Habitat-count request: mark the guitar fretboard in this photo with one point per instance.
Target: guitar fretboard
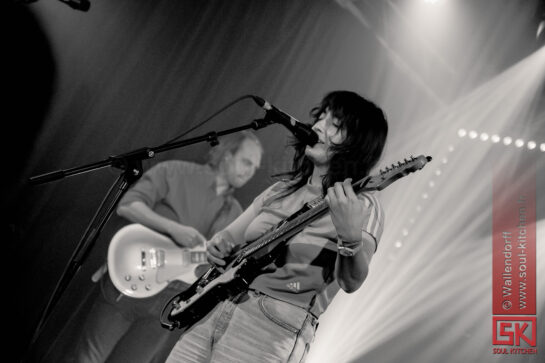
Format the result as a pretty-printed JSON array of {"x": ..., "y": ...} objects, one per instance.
[{"x": 317, "y": 207}]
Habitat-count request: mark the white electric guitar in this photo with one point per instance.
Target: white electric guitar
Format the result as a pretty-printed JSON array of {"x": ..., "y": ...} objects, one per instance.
[{"x": 141, "y": 261}]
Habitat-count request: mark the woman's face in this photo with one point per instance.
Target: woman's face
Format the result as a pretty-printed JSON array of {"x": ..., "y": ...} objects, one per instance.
[{"x": 329, "y": 132}]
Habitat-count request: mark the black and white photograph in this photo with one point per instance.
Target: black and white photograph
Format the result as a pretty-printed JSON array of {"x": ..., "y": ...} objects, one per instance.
[{"x": 258, "y": 181}]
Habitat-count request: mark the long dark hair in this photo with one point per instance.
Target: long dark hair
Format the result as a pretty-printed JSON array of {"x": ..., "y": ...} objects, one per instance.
[{"x": 366, "y": 130}]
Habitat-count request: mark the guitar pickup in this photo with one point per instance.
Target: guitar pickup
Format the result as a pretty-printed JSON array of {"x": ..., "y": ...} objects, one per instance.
[{"x": 156, "y": 258}]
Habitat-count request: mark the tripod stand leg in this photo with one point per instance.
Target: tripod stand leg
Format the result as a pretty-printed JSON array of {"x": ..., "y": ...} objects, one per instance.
[{"x": 85, "y": 244}]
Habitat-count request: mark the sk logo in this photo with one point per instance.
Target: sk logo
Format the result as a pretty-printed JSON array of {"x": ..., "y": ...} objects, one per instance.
[{"x": 509, "y": 330}]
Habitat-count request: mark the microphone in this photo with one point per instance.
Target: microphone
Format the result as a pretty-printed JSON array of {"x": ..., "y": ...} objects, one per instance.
[{"x": 302, "y": 132}]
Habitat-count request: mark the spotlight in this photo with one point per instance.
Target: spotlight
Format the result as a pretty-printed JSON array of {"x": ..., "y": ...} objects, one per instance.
[
  {"x": 405, "y": 232},
  {"x": 398, "y": 244},
  {"x": 507, "y": 140},
  {"x": 438, "y": 172},
  {"x": 431, "y": 183},
  {"x": 451, "y": 148},
  {"x": 444, "y": 161},
  {"x": 484, "y": 136},
  {"x": 424, "y": 195},
  {"x": 519, "y": 143},
  {"x": 495, "y": 139},
  {"x": 462, "y": 132},
  {"x": 472, "y": 134},
  {"x": 531, "y": 145},
  {"x": 542, "y": 147}
]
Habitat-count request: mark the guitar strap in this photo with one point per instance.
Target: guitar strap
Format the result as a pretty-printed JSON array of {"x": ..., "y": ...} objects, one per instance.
[{"x": 311, "y": 306}]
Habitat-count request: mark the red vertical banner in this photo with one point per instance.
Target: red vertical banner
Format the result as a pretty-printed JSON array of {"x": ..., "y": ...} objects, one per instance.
[{"x": 514, "y": 242}]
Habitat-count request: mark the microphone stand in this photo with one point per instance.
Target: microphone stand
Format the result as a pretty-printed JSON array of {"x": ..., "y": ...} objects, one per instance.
[{"x": 131, "y": 164}]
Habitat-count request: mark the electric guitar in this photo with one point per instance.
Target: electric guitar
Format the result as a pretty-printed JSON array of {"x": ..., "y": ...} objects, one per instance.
[
  {"x": 141, "y": 261},
  {"x": 245, "y": 263}
]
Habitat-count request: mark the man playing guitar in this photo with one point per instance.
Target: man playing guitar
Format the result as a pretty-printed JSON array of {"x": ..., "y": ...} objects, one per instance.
[{"x": 188, "y": 203}]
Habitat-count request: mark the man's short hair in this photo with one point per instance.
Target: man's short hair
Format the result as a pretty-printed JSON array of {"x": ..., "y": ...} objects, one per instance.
[{"x": 230, "y": 143}]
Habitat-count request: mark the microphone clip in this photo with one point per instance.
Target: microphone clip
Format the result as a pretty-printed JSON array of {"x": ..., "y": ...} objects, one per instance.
[{"x": 262, "y": 122}]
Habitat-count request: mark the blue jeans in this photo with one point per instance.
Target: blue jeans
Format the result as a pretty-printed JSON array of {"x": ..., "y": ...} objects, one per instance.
[{"x": 251, "y": 327}]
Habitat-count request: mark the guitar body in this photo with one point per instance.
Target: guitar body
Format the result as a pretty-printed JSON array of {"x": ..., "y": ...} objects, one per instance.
[
  {"x": 193, "y": 304},
  {"x": 142, "y": 262}
]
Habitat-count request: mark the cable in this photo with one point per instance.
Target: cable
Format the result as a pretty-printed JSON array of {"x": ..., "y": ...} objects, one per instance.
[{"x": 207, "y": 119}]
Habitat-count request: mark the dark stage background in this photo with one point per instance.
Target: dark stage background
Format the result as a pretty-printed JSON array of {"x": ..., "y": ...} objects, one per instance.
[{"x": 82, "y": 86}]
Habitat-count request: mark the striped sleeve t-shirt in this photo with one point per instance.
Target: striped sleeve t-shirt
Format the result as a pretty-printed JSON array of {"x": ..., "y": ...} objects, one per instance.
[{"x": 304, "y": 272}]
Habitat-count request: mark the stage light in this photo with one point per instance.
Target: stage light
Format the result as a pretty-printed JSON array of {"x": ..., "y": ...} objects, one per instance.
[
  {"x": 373, "y": 326},
  {"x": 540, "y": 28},
  {"x": 424, "y": 195},
  {"x": 431, "y": 183},
  {"x": 431, "y": 1},
  {"x": 507, "y": 140},
  {"x": 451, "y": 148},
  {"x": 444, "y": 161}
]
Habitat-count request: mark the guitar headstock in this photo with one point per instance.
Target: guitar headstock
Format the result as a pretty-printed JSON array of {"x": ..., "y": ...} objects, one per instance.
[{"x": 391, "y": 174}]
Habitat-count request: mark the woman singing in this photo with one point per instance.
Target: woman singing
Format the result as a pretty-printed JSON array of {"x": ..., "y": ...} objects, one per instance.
[{"x": 276, "y": 319}]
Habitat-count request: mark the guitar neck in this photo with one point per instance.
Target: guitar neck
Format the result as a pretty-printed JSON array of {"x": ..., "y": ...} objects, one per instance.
[
  {"x": 287, "y": 229},
  {"x": 318, "y": 207}
]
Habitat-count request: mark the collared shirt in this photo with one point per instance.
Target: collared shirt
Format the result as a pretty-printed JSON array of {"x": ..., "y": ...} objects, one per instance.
[
  {"x": 185, "y": 192},
  {"x": 305, "y": 272}
]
